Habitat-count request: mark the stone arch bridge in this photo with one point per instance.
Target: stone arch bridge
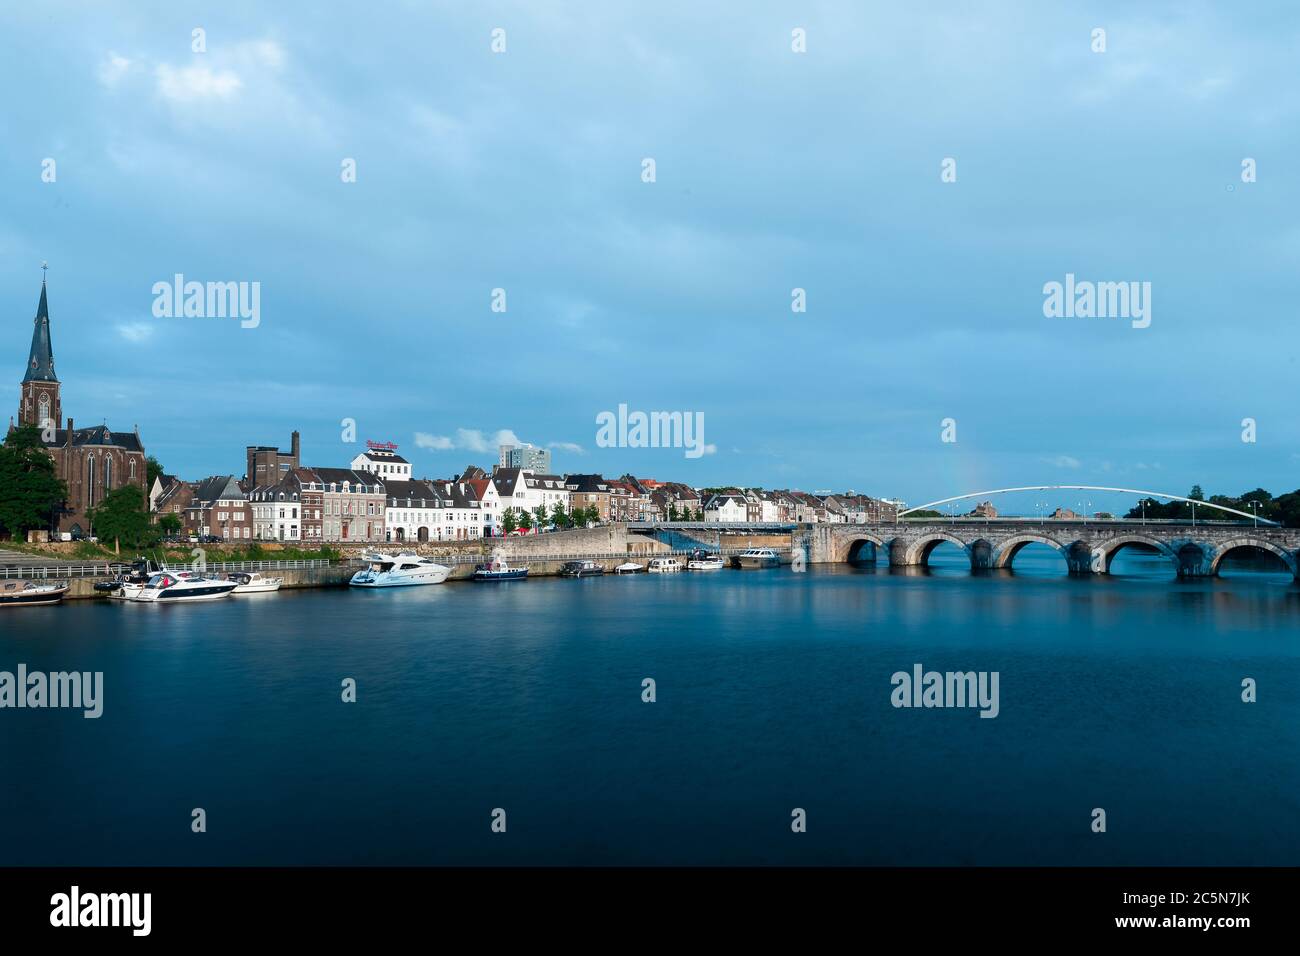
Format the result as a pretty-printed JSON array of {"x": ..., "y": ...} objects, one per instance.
[{"x": 1087, "y": 547}]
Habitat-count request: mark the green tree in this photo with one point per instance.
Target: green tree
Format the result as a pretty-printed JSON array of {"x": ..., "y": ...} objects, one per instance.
[
  {"x": 525, "y": 519},
  {"x": 122, "y": 518},
  {"x": 559, "y": 516},
  {"x": 29, "y": 486},
  {"x": 153, "y": 468},
  {"x": 509, "y": 520},
  {"x": 1196, "y": 494},
  {"x": 170, "y": 523},
  {"x": 539, "y": 517}
]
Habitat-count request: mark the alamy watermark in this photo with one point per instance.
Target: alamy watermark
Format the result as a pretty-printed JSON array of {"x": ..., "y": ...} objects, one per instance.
[
  {"x": 208, "y": 300},
  {"x": 922, "y": 688},
  {"x": 82, "y": 690},
  {"x": 1102, "y": 300},
  {"x": 652, "y": 430}
]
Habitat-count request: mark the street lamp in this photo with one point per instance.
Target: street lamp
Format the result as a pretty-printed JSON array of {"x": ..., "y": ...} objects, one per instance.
[{"x": 1254, "y": 507}]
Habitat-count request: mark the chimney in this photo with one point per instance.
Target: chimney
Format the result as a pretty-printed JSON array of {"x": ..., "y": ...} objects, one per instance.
[
  {"x": 69, "y": 437},
  {"x": 294, "y": 448}
]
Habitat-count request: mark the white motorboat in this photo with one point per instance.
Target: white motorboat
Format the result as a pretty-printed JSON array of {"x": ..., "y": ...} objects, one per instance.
[
  {"x": 399, "y": 570},
  {"x": 665, "y": 565},
  {"x": 702, "y": 560},
  {"x": 629, "y": 567},
  {"x": 177, "y": 587},
  {"x": 755, "y": 558},
  {"x": 253, "y": 582},
  {"x": 23, "y": 593}
]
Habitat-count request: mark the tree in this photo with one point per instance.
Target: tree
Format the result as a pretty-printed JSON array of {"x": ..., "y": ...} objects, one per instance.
[
  {"x": 525, "y": 519},
  {"x": 509, "y": 520},
  {"x": 559, "y": 517},
  {"x": 122, "y": 517},
  {"x": 153, "y": 469},
  {"x": 29, "y": 485},
  {"x": 170, "y": 524},
  {"x": 1196, "y": 494},
  {"x": 539, "y": 516}
]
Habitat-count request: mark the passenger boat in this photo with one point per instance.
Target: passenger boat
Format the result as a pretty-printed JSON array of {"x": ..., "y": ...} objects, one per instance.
[
  {"x": 20, "y": 592},
  {"x": 665, "y": 565},
  {"x": 629, "y": 567},
  {"x": 702, "y": 560},
  {"x": 581, "y": 569},
  {"x": 498, "y": 570},
  {"x": 252, "y": 582},
  {"x": 182, "y": 587},
  {"x": 755, "y": 558},
  {"x": 401, "y": 570}
]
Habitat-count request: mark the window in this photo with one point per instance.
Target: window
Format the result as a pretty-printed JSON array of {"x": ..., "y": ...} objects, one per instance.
[
  {"x": 45, "y": 409},
  {"x": 108, "y": 473},
  {"x": 90, "y": 480}
]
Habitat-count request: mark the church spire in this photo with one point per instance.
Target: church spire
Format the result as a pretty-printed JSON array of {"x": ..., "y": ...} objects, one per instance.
[{"x": 40, "y": 364}]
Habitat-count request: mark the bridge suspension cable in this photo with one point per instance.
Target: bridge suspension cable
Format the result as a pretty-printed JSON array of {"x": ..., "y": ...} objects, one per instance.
[{"x": 1130, "y": 491}]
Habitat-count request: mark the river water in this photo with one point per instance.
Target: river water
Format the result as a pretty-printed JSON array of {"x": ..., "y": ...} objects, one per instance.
[{"x": 773, "y": 692}]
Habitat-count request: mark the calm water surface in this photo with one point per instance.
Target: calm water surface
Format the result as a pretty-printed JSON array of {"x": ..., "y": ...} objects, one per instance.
[{"x": 773, "y": 693}]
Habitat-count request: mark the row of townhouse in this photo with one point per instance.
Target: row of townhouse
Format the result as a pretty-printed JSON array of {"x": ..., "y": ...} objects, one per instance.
[
  {"x": 739, "y": 505},
  {"x": 375, "y": 500}
]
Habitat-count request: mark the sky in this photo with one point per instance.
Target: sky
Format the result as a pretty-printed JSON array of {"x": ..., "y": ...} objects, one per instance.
[{"x": 774, "y": 170}]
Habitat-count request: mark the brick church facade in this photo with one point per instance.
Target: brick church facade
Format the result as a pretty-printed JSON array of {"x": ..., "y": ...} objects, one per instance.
[{"x": 93, "y": 461}]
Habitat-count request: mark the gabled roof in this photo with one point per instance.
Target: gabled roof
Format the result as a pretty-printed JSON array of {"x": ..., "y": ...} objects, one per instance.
[
  {"x": 98, "y": 435},
  {"x": 218, "y": 488}
]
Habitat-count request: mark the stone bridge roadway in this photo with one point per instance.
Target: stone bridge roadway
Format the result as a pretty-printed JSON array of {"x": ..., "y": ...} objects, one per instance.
[{"x": 1087, "y": 547}]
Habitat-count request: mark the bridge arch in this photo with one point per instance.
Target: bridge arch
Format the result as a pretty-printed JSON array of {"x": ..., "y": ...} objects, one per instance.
[
  {"x": 918, "y": 552},
  {"x": 855, "y": 546},
  {"x": 1128, "y": 491},
  {"x": 1008, "y": 549},
  {"x": 1104, "y": 553},
  {"x": 1247, "y": 541}
]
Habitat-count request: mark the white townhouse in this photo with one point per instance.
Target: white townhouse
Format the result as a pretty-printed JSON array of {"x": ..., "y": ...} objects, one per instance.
[
  {"x": 522, "y": 490},
  {"x": 726, "y": 508},
  {"x": 425, "y": 510},
  {"x": 387, "y": 464}
]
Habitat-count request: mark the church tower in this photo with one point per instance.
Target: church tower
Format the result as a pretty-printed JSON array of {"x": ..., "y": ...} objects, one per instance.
[{"x": 40, "y": 401}]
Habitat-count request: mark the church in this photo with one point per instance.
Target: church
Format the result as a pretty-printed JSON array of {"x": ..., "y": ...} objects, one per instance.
[{"x": 93, "y": 461}]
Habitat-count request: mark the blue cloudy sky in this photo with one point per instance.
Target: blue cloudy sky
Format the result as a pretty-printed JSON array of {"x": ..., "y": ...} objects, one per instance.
[{"x": 775, "y": 170}]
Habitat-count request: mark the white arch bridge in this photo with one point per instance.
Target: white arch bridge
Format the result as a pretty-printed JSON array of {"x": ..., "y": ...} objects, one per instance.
[{"x": 1195, "y": 549}]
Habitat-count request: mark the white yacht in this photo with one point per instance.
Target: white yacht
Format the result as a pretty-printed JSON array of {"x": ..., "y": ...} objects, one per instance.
[
  {"x": 399, "y": 570},
  {"x": 704, "y": 561},
  {"x": 176, "y": 587},
  {"x": 629, "y": 567},
  {"x": 665, "y": 565},
  {"x": 253, "y": 582},
  {"x": 755, "y": 558}
]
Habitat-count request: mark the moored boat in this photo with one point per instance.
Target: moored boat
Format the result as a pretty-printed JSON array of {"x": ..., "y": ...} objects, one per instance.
[
  {"x": 183, "y": 587},
  {"x": 253, "y": 582},
  {"x": 755, "y": 558},
  {"x": 581, "y": 569},
  {"x": 702, "y": 560},
  {"x": 400, "y": 570},
  {"x": 20, "y": 592},
  {"x": 629, "y": 567},
  {"x": 665, "y": 565},
  {"x": 498, "y": 570}
]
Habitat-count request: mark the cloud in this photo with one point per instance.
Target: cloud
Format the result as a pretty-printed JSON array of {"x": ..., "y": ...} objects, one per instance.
[
  {"x": 195, "y": 83},
  {"x": 113, "y": 69},
  {"x": 202, "y": 81},
  {"x": 1062, "y": 461},
  {"x": 433, "y": 442},
  {"x": 467, "y": 439},
  {"x": 567, "y": 446},
  {"x": 135, "y": 331},
  {"x": 710, "y": 449}
]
